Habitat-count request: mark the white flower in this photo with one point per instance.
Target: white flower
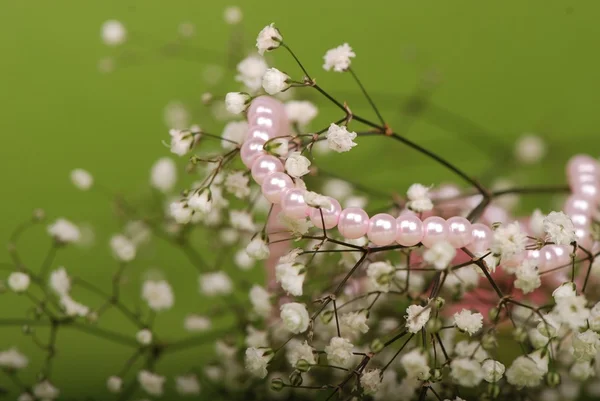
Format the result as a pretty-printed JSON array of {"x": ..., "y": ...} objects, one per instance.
[
  {"x": 181, "y": 141},
  {"x": 586, "y": 345},
  {"x": 45, "y": 390},
  {"x": 236, "y": 183},
  {"x": 82, "y": 179},
  {"x": 277, "y": 147},
  {"x": 297, "y": 350},
  {"x": 113, "y": 33},
  {"x": 492, "y": 370},
  {"x": 256, "y": 338},
  {"x": 548, "y": 326},
  {"x": 536, "y": 223},
  {"x": 196, "y": 323},
  {"x": 114, "y": 384},
  {"x": 572, "y": 311},
  {"x": 122, "y": 247},
  {"x": 297, "y": 165},
  {"x": 466, "y": 372},
  {"x": 62, "y": 230},
  {"x": 530, "y": 149},
  {"x": 468, "y": 321},
  {"x": 339, "y": 352},
  {"x": 380, "y": 275},
  {"x": 274, "y": 81},
  {"x": 338, "y": 58},
  {"x": 291, "y": 277},
  {"x": 144, "y": 336},
  {"x": 176, "y": 115},
  {"x": 13, "y": 359},
  {"x": 181, "y": 212},
  {"x": 416, "y": 317},
  {"x": 268, "y": 39},
  {"x": 163, "y": 174},
  {"x": 419, "y": 198},
  {"x": 582, "y": 371},
  {"x": 158, "y": 295},
  {"x": 18, "y": 282},
  {"x": 251, "y": 70},
  {"x": 224, "y": 350},
  {"x": 151, "y": 383},
  {"x": 565, "y": 290},
  {"x": 301, "y": 112},
  {"x": 527, "y": 371},
  {"x": 187, "y": 385},
  {"x": 339, "y": 139},
  {"x": 241, "y": 220},
  {"x": 440, "y": 255},
  {"x": 232, "y": 15},
  {"x": 243, "y": 260},
  {"x": 528, "y": 277},
  {"x": 73, "y": 308},
  {"x": 25, "y": 397},
  {"x": 258, "y": 249},
  {"x": 260, "y": 300},
  {"x": 370, "y": 381},
  {"x": 297, "y": 227},
  {"x": 212, "y": 284},
  {"x": 559, "y": 228},
  {"x": 295, "y": 317},
  {"x": 256, "y": 362},
  {"x": 236, "y": 102},
  {"x": 415, "y": 364},
  {"x": 354, "y": 322},
  {"x": 201, "y": 201},
  {"x": 594, "y": 319},
  {"x": 509, "y": 240},
  {"x": 234, "y": 131},
  {"x": 316, "y": 200}
]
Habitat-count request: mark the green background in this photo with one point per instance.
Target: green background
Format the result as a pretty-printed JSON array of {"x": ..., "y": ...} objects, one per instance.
[{"x": 509, "y": 67}]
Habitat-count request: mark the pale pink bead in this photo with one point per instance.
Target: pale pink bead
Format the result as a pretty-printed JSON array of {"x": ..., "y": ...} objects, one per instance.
[
  {"x": 576, "y": 204},
  {"x": 586, "y": 188},
  {"x": 265, "y": 165},
  {"x": 269, "y": 113},
  {"x": 583, "y": 237},
  {"x": 265, "y": 105},
  {"x": 435, "y": 229},
  {"x": 495, "y": 214},
  {"x": 382, "y": 229},
  {"x": 331, "y": 215},
  {"x": 293, "y": 203},
  {"x": 274, "y": 185},
  {"x": 562, "y": 254},
  {"x": 353, "y": 223},
  {"x": 580, "y": 220},
  {"x": 250, "y": 151},
  {"x": 547, "y": 258},
  {"x": 582, "y": 164},
  {"x": 260, "y": 133},
  {"x": 409, "y": 229},
  {"x": 481, "y": 238},
  {"x": 534, "y": 255},
  {"x": 459, "y": 231}
]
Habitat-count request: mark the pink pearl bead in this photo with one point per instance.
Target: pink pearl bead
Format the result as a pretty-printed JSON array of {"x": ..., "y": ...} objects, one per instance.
[
  {"x": 546, "y": 259},
  {"x": 409, "y": 229},
  {"x": 582, "y": 164},
  {"x": 382, "y": 229},
  {"x": 293, "y": 203},
  {"x": 481, "y": 238},
  {"x": 265, "y": 105},
  {"x": 269, "y": 113},
  {"x": 353, "y": 223},
  {"x": 583, "y": 237},
  {"x": 576, "y": 204},
  {"x": 580, "y": 220},
  {"x": 435, "y": 229},
  {"x": 534, "y": 255},
  {"x": 265, "y": 165},
  {"x": 495, "y": 214},
  {"x": 260, "y": 133},
  {"x": 459, "y": 231},
  {"x": 589, "y": 190},
  {"x": 274, "y": 185},
  {"x": 562, "y": 254},
  {"x": 331, "y": 215},
  {"x": 250, "y": 151}
]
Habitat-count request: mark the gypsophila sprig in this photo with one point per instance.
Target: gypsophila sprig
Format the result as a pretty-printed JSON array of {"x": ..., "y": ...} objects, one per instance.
[
  {"x": 340, "y": 139},
  {"x": 338, "y": 58},
  {"x": 269, "y": 38}
]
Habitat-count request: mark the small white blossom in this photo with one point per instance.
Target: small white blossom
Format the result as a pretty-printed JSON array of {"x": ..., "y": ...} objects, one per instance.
[
  {"x": 197, "y": 323},
  {"x": 268, "y": 39},
  {"x": 440, "y": 255},
  {"x": 256, "y": 338},
  {"x": 296, "y": 227},
  {"x": 297, "y": 165},
  {"x": 113, "y": 33},
  {"x": 301, "y": 112},
  {"x": 181, "y": 141},
  {"x": 419, "y": 198},
  {"x": 338, "y": 58},
  {"x": 243, "y": 260},
  {"x": 295, "y": 317},
  {"x": 559, "y": 228},
  {"x": 236, "y": 102},
  {"x": 241, "y": 220},
  {"x": 232, "y": 15},
  {"x": 122, "y": 248},
  {"x": 25, "y": 397},
  {"x": 144, "y": 337},
  {"x": 45, "y": 390},
  {"x": 163, "y": 174},
  {"x": 548, "y": 326},
  {"x": 13, "y": 359},
  {"x": 582, "y": 371},
  {"x": 18, "y": 282},
  {"x": 236, "y": 183},
  {"x": 468, "y": 321},
  {"x": 277, "y": 147},
  {"x": 492, "y": 370},
  {"x": 258, "y": 249},
  {"x": 201, "y": 201},
  {"x": 261, "y": 301},
  {"x": 354, "y": 322},
  {"x": 250, "y": 73},
  {"x": 63, "y": 231},
  {"x": 256, "y": 362},
  {"x": 316, "y": 200},
  {"x": 565, "y": 290},
  {"x": 114, "y": 384},
  {"x": 536, "y": 223},
  {"x": 291, "y": 277},
  {"x": 416, "y": 317},
  {"x": 594, "y": 319},
  {"x": 527, "y": 371},
  {"x": 151, "y": 383},
  {"x": 471, "y": 349},
  {"x": 509, "y": 240},
  {"x": 274, "y": 81},
  {"x": 339, "y": 139},
  {"x": 233, "y": 132},
  {"x": 339, "y": 352},
  {"x": 530, "y": 149},
  {"x": 213, "y": 284},
  {"x": 224, "y": 350},
  {"x": 466, "y": 372},
  {"x": 370, "y": 381},
  {"x": 572, "y": 311},
  {"x": 586, "y": 345},
  {"x": 180, "y": 212},
  {"x": 297, "y": 350},
  {"x": 60, "y": 281},
  {"x": 158, "y": 295},
  {"x": 82, "y": 179},
  {"x": 528, "y": 277},
  {"x": 380, "y": 275},
  {"x": 187, "y": 385},
  {"x": 72, "y": 307},
  {"x": 415, "y": 364},
  {"x": 176, "y": 115}
]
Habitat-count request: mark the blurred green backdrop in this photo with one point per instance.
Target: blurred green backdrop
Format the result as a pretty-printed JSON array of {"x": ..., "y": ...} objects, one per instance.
[{"x": 510, "y": 67}]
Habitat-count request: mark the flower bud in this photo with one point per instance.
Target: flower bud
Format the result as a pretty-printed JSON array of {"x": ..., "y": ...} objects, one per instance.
[
  {"x": 434, "y": 325},
  {"x": 553, "y": 379},
  {"x": 489, "y": 341},
  {"x": 519, "y": 334},
  {"x": 327, "y": 316},
  {"x": 493, "y": 314},
  {"x": 493, "y": 390},
  {"x": 376, "y": 346},
  {"x": 436, "y": 375},
  {"x": 277, "y": 384},
  {"x": 302, "y": 365},
  {"x": 439, "y": 302},
  {"x": 296, "y": 378}
]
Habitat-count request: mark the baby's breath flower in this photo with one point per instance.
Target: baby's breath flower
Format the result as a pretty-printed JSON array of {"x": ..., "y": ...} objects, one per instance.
[
  {"x": 354, "y": 322},
  {"x": 181, "y": 212},
  {"x": 468, "y": 321},
  {"x": 339, "y": 139},
  {"x": 213, "y": 284},
  {"x": 301, "y": 112},
  {"x": 416, "y": 317},
  {"x": 291, "y": 277},
  {"x": 338, "y": 58},
  {"x": 274, "y": 81},
  {"x": 181, "y": 141},
  {"x": 339, "y": 352},
  {"x": 295, "y": 317},
  {"x": 234, "y": 132},
  {"x": 415, "y": 364},
  {"x": 269, "y": 38},
  {"x": 530, "y": 149},
  {"x": 187, "y": 384},
  {"x": 466, "y": 372},
  {"x": 256, "y": 361},
  {"x": 236, "y": 102},
  {"x": 316, "y": 200},
  {"x": 297, "y": 165},
  {"x": 527, "y": 370},
  {"x": 236, "y": 183},
  {"x": 586, "y": 345},
  {"x": 82, "y": 179},
  {"x": 419, "y": 198},
  {"x": 18, "y": 282},
  {"x": 151, "y": 383},
  {"x": 45, "y": 390},
  {"x": 258, "y": 249},
  {"x": 370, "y": 381},
  {"x": 492, "y": 370},
  {"x": 380, "y": 275},
  {"x": 114, "y": 384},
  {"x": 163, "y": 174},
  {"x": 440, "y": 255},
  {"x": 297, "y": 350},
  {"x": 528, "y": 277},
  {"x": 13, "y": 359},
  {"x": 509, "y": 240},
  {"x": 250, "y": 73},
  {"x": 232, "y": 15},
  {"x": 144, "y": 337},
  {"x": 158, "y": 295},
  {"x": 63, "y": 231},
  {"x": 197, "y": 323},
  {"x": 559, "y": 228},
  {"x": 260, "y": 300},
  {"x": 122, "y": 247},
  {"x": 113, "y": 33}
]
